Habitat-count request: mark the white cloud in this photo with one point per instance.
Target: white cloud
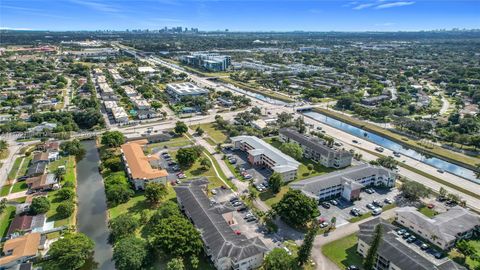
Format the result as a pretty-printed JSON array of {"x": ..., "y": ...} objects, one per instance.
[
  {"x": 395, "y": 4},
  {"x": 96, "y": 6},
  {"x": 14, "y": 28},
  {"x": 362, "y": 6}
]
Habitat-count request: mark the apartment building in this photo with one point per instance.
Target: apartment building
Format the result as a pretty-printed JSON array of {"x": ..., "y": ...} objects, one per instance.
[
  {"x": 262, "y": 153},
  {"x": 138, "y": 167},
  {"x": 227, "y": 249},
  {"x": 317, "y": 149},
  {"x": 394, "y": 253},
  {"x": 179, "y": 90},
  {"x": 346, "y": 183},
  {"x": 443, "y": 230},
  {"x": 208, "y": 61}
]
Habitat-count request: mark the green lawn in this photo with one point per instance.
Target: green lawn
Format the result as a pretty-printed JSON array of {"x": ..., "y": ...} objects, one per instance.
[
  {"x": 16, "y": 165},
  {"x": 69, "y": 163},
  {"x": 4, "y": 190},
  {"x": 136, "y": 204},
  {"x": 25, "y": 164},
  {"x": 458, "y": 257},
  {"x": 19, "y": 186},
  {"x": 216, "y": 135},
  {"x": 270, "y": 199},
  {"x": 343, "y": 252},
  {"x": 5, "y": 219},
  {"x": 427, "y": 211},
  {"x": 175, "y": 142},
  {"x": 220, "y": 171}
]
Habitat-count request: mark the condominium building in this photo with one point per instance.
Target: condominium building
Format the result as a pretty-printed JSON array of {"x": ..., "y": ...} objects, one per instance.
[
  {"x": 443, "y": 230},
  {"x": 129, "y": 91},
  {"x": 208, "y": 61},
  {"x": 263, "y": 154},
  {"x": 317, "y": 149},
  {"x": 226, "y": 248},
  {"x": 346, "y": 183},
  {"x": 120, "y": 115},
  {"x": 140, "y": 103},
  {"x": 179, "y": 90},
  {"x": 394, "y": 253},
  {"x": 138, "y": 167}
]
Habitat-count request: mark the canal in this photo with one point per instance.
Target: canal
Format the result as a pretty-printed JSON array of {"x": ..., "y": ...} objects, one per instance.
[
  {"x": 92, "y": 206},
  {"x": 394, "y": 146}
]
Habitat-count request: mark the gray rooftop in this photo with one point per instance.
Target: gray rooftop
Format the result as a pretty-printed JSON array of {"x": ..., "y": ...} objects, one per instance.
[
  {"x": 186, "y": 88},
  {"x": 399, "y": 252},
  {"x": 217, "y": 235},
  {"x": 315, "y": 144}
]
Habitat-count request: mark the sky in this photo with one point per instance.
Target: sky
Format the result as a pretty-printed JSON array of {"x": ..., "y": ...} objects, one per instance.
[{"x": 240, "y": 15}]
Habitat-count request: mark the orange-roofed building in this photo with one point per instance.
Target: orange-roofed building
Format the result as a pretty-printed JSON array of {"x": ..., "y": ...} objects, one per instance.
[
  {"x": 19, "y": 250},
  {"x": 138, "y": 167}
]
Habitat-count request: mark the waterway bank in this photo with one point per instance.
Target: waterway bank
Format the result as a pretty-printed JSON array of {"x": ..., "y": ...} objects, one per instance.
[
  {"x": 92, "y": 206},
  {"x": 385, "y": 141}
]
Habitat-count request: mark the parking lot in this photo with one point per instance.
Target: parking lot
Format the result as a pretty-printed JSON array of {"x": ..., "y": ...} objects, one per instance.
[
  {"x": 259, "y": 174},
  {"x": 341, "y": 211}
]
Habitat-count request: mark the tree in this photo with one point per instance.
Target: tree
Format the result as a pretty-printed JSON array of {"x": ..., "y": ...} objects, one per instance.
[
  {"x": 194, "y": 261},
  {"x": 205, "y": 162},
  {"x": 256, "y": 110},
  {"x": 306, "y": 247},
  {"x": 414, "y": 190},
  {"x": 369, "y": 262},
  {"x": 175, "y": 264},
  {"x": 275, "y": 182},
  {"x": 292, "y": 149},
  {"x": 278, "y": 259},
  {"x": 187, "y": 156},
  {"x": 40, "y": 205},
  {"x": 310, "y": 167},
  {"x": 118, "y": 193},
  {"x": 71, "y": 251},
  {"x": 155, "y": 192},
  {"x": 180, "y": 128},
  {"x": 3, "y": 205},
  {"x": 113, "y": 138},
  {"x": 65, "y": 194},
  {"x": 199, "y": 131},
  {"x": 466, "y": 248},
  {"x": 59, "y": 173},
  {"x": 65, "y": 209},
  {"x": 73, "y": 148},
  {"x": 296, "y": 208},
  {"x": 442, "y": 192},
  {"x": 122, "y": 226},
  {"x": 130, "y": 253},
  {"x": 175, "y": 236},
  {"x": 387, "y": 162}
]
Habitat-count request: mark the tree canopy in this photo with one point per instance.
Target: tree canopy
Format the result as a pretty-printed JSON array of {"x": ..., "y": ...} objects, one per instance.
[
  {"x": 71, "y": 251},
  {"x": 113, "y": 138},
  {"x": 296, "y": 208}
]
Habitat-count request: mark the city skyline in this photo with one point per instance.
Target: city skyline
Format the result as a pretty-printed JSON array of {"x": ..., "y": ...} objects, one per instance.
[{"x": 266, "y": 15}]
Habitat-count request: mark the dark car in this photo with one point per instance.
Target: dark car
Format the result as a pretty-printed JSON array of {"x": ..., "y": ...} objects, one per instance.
[
  {"x": 406, "y": 235},
  {"x": 411, "y": 239},
  {"x": 326, "y": 205}
]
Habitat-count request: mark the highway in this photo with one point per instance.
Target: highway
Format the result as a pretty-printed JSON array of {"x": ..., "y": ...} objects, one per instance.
[{"x": 346, "y": 139}]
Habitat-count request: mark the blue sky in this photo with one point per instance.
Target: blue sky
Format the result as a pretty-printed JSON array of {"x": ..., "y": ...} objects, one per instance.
[{"x": 240, "y": 15}]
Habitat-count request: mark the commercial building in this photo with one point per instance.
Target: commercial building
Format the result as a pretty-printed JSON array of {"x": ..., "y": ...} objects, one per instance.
[
  {"x": 138, "y": 167},
  {"x": 346, "y": 183},
  {"x": 179, "y": 90},
  {"x": 19, "y": 250},
  {"x": 146, "y": 69},
  {"x": 208, "y": 61},
  {"x": 317, "y": 149},
  {"x": 227, "y": 249},
  {"x": 394, "y": 253},
  {"x": 263, "y": 154},
  {"x": 443, "y": 230}
]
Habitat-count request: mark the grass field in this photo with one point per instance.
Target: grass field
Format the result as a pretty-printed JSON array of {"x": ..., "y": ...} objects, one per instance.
[
  {"x": 19, "y": 186},
  {"x": 5, "y": 219},
  {"x": 460, "y": 258},
  {"x": 433, "y": 150},
  {"x": 343, "y": 252},
  {"x": 23, "y": 170},
  {"x": 216, "y": 135},
  {"x": 4, "y": 190},
  {"x": 427, "y": 211},
  {"x": 270, "y": 199},
  {"x": 16, "y": 165},
  {"x": 175, "y": 142}
]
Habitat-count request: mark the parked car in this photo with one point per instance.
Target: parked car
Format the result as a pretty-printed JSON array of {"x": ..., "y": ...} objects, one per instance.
[
  {"x": 401, "y": 231},
  {"x": 376, "y": 211},
  {"x": 440, "y": 171},
  {"x": 248, "y": 176},
  {"x": 379, "y": 149},
  {"x": 326, "y": 205},
  {"x": 370, "y": 206},
  {"x": 388, "y": 201},
  {"x": 406, "y": 235},
  {"x": 234, "y": 199},
  {"x": 324, "y": 224},
  {"x": 377, "y": 203},
  {"x": 213, "y": 191},
  {"x": 370, "y": 190},
  {"x": 333, "y": 202},
  {"x": 242, "y": 209},
  {"x": 411, "y": 239},
  {"x": 175, "y": 168},
  {"x": 423, "y": 246},
  {"x": 354, "y": 141}
]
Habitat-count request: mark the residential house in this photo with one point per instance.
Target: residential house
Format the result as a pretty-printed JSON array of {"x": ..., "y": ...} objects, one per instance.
[
  {"x": 42, "y": 183},
  {"x": 19, "y": 250}
]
